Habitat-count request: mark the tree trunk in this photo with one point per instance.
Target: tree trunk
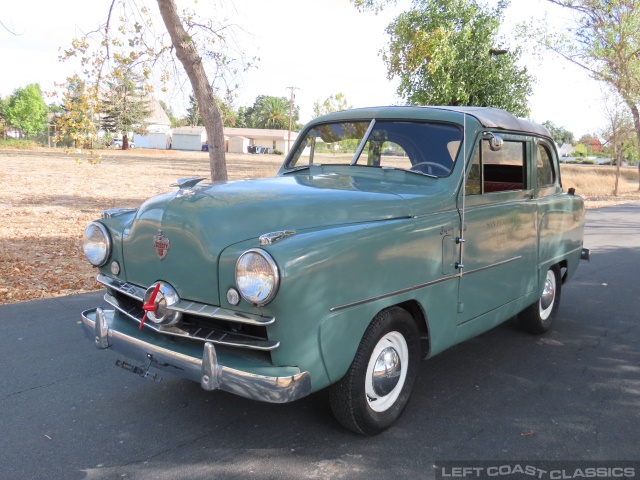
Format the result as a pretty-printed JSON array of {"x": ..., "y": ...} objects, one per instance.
[
  {"x": 618, "y": 163},
  {"x": 125, "y": 142},
  {"x": 636, "y": 125},
  {"x": 188, "y": 55}
]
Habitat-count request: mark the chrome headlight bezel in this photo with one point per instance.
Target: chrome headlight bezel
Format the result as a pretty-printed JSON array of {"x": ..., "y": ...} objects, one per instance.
[
  {"x": 247, "y": 285},
  {"x": 97, "y": 252}
]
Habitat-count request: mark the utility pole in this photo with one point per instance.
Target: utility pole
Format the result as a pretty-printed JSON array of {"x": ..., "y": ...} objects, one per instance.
[{"x": 290, "y": 116}]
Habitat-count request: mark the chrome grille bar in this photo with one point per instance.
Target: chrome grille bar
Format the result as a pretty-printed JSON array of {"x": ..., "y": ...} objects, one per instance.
[
  {"x": 194, "y": 332},
  {"x": 186, "y": 306}
]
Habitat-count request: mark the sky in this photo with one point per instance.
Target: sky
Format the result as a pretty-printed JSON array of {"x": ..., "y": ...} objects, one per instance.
[{"x": 320, "y": 48}]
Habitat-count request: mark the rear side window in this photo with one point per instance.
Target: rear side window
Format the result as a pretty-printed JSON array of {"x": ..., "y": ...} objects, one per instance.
[
  {"x": 499, "y": 171},
  {"x": 544, "y": 167}
]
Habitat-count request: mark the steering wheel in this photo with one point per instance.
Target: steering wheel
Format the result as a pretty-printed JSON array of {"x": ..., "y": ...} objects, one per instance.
[{"x": 444, "y": 170}]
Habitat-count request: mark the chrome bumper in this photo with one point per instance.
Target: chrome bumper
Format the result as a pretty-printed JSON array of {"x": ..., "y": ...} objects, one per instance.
[{"x": 193, "y": 363}]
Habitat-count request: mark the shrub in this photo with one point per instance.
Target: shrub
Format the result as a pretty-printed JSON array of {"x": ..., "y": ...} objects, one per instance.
[
  {"x": 277, "y": 152},
  {"x": 18, "y": 144},
  {"x": 588, "y": 161}
]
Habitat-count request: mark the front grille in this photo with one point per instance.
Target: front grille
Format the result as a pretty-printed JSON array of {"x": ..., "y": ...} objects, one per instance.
[{"x": 205, "y": 323}]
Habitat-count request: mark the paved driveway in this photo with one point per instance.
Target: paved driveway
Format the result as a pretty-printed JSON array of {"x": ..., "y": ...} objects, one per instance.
[{"x": 574, "y": 394}]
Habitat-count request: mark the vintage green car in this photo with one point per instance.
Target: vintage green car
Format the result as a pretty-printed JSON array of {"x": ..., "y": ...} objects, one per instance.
[{"x": 388, "y": 235}]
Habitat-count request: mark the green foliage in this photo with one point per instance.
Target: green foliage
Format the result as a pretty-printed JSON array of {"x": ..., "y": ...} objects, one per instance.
[
  {"x": 333, "y": 103},
  {"x": 193, "y": 117},
  {"x": 76, "y": 120},
  {"x": 268, "y": 112},
  {"x": 603, "y": 37},
  {"x": 125, "y": 106},
  {"x": 26, "y": 111},
  {"x": 560, "y": 135},
  {"x": 374, "y": 6},
  {"x": 175, "y": 122},
  {"x": 447, "y": 52},
  {"x": 580, "y": 150}
]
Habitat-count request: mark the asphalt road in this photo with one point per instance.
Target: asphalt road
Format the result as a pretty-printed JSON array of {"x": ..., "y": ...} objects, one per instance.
[{"x": 574, "y": 394}]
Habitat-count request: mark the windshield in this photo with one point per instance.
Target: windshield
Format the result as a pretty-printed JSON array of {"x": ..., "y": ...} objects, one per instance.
[{"x": 421, "y": 147}]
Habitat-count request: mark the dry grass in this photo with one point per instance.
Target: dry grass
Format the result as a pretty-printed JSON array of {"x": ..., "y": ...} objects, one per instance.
[
  {"x": 47, "y": 199},
  {"x": 596, "y": 184}
]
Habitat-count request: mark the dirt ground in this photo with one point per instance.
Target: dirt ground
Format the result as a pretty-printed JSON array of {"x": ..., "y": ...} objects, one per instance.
[{"x": 47, "y": 198}]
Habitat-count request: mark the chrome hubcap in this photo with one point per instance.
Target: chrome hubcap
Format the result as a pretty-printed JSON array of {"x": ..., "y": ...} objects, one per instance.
[
  {"x": 386, "y": 371},
  {"x": 548, "y": 295}
]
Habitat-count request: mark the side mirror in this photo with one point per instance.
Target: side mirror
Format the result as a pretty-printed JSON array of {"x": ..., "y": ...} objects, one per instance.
[{"x": 495, "y": 142}]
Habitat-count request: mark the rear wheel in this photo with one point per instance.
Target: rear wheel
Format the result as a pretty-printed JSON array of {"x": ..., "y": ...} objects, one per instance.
[
  {"x": 539, "y": 317},
  {"x": 376, "y": 388}
]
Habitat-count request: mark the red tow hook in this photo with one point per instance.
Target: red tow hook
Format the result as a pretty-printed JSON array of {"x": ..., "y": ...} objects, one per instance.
[{"x": 150, "y": 306}]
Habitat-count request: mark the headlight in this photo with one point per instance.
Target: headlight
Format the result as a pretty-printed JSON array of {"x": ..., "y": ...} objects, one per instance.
[
  {"x": 257, "y": 277},
  {"x": 97, "y": 244}
]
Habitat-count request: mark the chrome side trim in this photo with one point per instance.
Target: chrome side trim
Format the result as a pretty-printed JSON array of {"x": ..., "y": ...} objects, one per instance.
[
  {"x": 197, "y": 366},
  {"x": 422, "y": 285},
  {"x": 203, "y": 334},
  {"x": 186, "y": 306},
  {"x": 504, "y": 262},
  {"x": 391, "y": 294}
]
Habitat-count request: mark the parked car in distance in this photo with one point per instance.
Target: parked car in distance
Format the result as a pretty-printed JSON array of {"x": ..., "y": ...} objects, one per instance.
[
  {"x": 388, "y": 235},
  {"x": 117, "y": 143}
]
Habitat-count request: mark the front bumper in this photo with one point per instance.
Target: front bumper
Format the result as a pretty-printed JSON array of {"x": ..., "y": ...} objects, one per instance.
[{"x": 193, "y": 362}]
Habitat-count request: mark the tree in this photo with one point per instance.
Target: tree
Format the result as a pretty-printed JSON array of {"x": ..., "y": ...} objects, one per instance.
[
  {"x": 560, "y": 135},
  {"x": 603, "y": 37},
  {"x": 129, "y": 38},
  {"x": 26, "y": 111},
  {"x": 447, "y": 52},
  {"x": 268, "y": 112},
  {"x": 175, "y": 122},
  {"x": 125, "y": 106},
  {"x": 334, "y": 103},
  {"x": 618, "y": 133},
  {"x": 194, "y": 117},
  {"x": 76, "y": 120}
]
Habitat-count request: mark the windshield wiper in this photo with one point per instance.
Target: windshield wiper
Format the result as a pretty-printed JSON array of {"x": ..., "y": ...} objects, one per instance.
[
  {"x": 430, "y": 175},
  {"x": 297, "y": 169}
]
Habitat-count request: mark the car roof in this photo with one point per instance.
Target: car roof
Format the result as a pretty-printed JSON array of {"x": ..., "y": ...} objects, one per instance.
[{"x": 488, "y": 117}]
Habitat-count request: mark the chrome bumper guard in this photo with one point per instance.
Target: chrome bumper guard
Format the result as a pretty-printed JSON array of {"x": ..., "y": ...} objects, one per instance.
[{"x": 198, "y": 365}]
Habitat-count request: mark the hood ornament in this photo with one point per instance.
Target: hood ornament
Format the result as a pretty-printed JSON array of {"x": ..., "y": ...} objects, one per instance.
[
  {"x": 186, "y": 186},
  {"x": 273, "y": 237},
  {"x": 161, "y": 244}
]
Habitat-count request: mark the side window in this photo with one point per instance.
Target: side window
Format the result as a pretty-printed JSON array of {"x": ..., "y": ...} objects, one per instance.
[
  {"x": 498, "y": 171},
  {"x": 544, "y": 164},
  {"x": 473, "y": 185}
]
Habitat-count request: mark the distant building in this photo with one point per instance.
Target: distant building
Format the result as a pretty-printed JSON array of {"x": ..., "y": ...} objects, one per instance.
[
  {"x": 158, "y": 129},
  {"x": 188, "y": 138},
  {"x": 257, "y": 140},
  {"x": 565, "y": 150}
]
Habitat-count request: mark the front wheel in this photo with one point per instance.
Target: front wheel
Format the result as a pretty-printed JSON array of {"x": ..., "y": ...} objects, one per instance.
[
  {"x": 539, "y": 317},
  {"x": 376, "y": 388}
]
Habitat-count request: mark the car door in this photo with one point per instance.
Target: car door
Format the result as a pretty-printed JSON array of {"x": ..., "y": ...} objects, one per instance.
[{"x": 499, "y": 251}]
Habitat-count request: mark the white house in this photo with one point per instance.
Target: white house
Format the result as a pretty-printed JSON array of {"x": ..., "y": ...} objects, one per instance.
[
  {"x": 158, "y": 129},
  {"x": 188, "y": 138},
  {"x": 245, "y": 140}
]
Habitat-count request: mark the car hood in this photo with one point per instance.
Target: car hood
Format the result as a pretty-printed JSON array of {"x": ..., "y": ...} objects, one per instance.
[{"x": 198, "y": 223}]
